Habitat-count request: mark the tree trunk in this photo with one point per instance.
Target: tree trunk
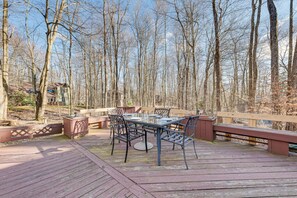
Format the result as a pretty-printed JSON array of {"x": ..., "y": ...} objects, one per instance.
[
  {"x": 70, "y": 83},
  {"x": 105, "y": 54},
  {"x": 290, "y": 55},
  {"x": 42, "y": 93},
  {"x": 217, "y": 58},
  {"x": 164, "y": 76},
  {"x": 293, "y": 127},
  {"x": 52, "y": 28},
  {"x": 4, "y": 64},
  {"x": 86, "y": 80},
  {"x": 274, "y": 58},
  {"x": 205, "y": 84},
  {"x": 290, "y": 78},
  {"x": 255, "y": 65},
  {"x": 251, "y": 96}
]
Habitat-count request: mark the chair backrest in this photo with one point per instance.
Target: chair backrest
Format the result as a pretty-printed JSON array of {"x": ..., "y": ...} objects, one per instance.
[
  {"x": 120, "y": 111},
  {"x": 191, "y": 125},
  {"x": 164, "y": 112},
  {"x": 118, "y": 122},
  {"x": 147, "y": 109},
  {"x": 117, "y": 111},
  {"x": 113, "y": 118}
]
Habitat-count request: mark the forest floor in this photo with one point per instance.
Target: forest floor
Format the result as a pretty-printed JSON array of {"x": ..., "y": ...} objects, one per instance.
[{"x": 26, "y": 114}]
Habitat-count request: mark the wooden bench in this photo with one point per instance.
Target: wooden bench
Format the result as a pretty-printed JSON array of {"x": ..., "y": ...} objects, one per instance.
[
  {"x": 97, "y": 116},
  {"x": 278, "y": 140}
]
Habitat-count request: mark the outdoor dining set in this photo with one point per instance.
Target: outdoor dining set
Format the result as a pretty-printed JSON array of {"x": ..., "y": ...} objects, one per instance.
[{"x": 126, "y": 127}]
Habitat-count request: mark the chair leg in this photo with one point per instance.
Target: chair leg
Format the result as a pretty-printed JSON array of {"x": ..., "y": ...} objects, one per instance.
[
  {"x": 173, "y": 146},
  {"x": 185, "y": 158},
  {"x": 112, "y": 141},
  {"x": 127, "y": 143},
  {"x": 145, "y": 139},
  {"x": 110, "y": 135},
  {"x": 195, "y": 149}
]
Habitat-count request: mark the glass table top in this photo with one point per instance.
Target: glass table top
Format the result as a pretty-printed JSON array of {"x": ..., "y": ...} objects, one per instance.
[{"x": 151, "y": 119}]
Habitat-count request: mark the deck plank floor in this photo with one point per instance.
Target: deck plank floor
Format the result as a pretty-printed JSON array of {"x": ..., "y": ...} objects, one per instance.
[
  {"x": 224, "y": 169},
  {"x": 57, "y": 167}
]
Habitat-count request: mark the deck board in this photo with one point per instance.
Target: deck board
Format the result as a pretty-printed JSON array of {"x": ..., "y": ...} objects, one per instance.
[
  {"x": 224, "y": 169},
  {"x": 58, "y": 167},
  {"x": 50, "y": 168}
]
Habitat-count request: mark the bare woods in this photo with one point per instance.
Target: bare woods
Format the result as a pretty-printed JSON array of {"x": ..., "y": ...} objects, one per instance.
[{"x": 213, "y": 55}]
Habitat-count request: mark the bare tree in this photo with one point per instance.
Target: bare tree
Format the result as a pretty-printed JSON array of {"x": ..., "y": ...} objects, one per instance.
[
  {"x": 217, "y": 56},
  {"x": 290, "y": 76},
  {"x": 116, "y": 16},
  {"x": 52, "y": 27},
  {"x": 105, "y": 53},
  {"x": 70, "y": 23},
  {"x": 208, "y": 63},
  {"x": 293, "y": 96},
  {"x": 31, "y": 49},
  {"x": 4, "y": 64},
  {"x": 253, "y": 67},
  {"x": 274, "y": 57},
  {"x": 190, "y": 33}
]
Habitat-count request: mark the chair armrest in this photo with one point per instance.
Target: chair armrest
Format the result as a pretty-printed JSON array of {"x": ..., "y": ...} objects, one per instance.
[
  {"x": 173, "y": 131},
  {"x": 177, "y": 125}
]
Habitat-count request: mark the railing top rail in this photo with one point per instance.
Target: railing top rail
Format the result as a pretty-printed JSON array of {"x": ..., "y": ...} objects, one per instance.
[
  {"x": 181, "y": 112},
  {"x": 85, "y": 111},
  {"x": 253, "y": 116}
]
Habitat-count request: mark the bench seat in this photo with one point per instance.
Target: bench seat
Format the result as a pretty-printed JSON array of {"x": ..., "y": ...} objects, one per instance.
[
  {"x": 278, "y": 140},
  {"x": 101, "y": 121}
]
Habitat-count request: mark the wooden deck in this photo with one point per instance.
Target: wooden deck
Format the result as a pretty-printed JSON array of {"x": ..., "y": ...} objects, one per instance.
[
  {"x": 54, "y": 167},
  {"x": 57, "y": 167}
]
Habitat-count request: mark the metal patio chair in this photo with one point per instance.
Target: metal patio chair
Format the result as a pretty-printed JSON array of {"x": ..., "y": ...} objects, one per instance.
[
  {"x": 163, "y": 112},
  {"x": 126, "y": 133},
  {"x": 184, "y": 136},
  {"x": 116, "y": 111}
]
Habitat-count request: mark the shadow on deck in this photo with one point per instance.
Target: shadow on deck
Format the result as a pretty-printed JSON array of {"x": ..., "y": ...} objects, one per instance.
[{"x": 57, "y": 167}]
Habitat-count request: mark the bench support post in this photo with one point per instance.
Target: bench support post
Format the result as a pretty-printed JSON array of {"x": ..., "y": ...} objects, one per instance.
[
  {"x": 252, "y": 140},
  {"x": 228, "y": 121},
  {"x": 278, "y": 147}
]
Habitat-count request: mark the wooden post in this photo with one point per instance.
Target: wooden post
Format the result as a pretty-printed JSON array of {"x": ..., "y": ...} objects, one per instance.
[
  {"x": 252, "y": 123},
  {"x": 228, "y": 121},
  {"x": 204, "y": 129}
]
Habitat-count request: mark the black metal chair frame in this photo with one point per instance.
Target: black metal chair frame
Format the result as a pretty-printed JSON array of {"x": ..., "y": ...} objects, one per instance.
[
  {"x": 182, "y": 137},
  {"x": 126, "y": 133},
  {"x": 112, "y": 123},
  {"x": 116, "y": 111},
  {"x": 163, "y": 112}
]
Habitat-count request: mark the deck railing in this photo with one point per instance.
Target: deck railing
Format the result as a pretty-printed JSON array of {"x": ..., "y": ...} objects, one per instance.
[
  {"x": 253, "y": 120},
  {"x": 11, "y": 133}
]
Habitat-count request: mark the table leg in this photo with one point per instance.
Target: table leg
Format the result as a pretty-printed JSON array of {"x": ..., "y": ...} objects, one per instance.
[{"x": 159, "y": 145}]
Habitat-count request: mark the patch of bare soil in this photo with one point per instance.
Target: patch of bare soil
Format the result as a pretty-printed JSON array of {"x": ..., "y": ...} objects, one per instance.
[{"x": 26, "y": 114}]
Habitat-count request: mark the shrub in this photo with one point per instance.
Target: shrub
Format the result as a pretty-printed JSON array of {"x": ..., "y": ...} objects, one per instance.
[{"x": 20, "y": 98}]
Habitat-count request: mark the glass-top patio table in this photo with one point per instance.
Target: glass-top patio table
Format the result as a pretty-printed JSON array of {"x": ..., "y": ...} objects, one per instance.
[{"x": 153, "y": 121}]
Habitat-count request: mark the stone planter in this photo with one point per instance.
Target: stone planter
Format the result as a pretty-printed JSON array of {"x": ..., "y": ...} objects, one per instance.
[{"x": 75, "y": 126}]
